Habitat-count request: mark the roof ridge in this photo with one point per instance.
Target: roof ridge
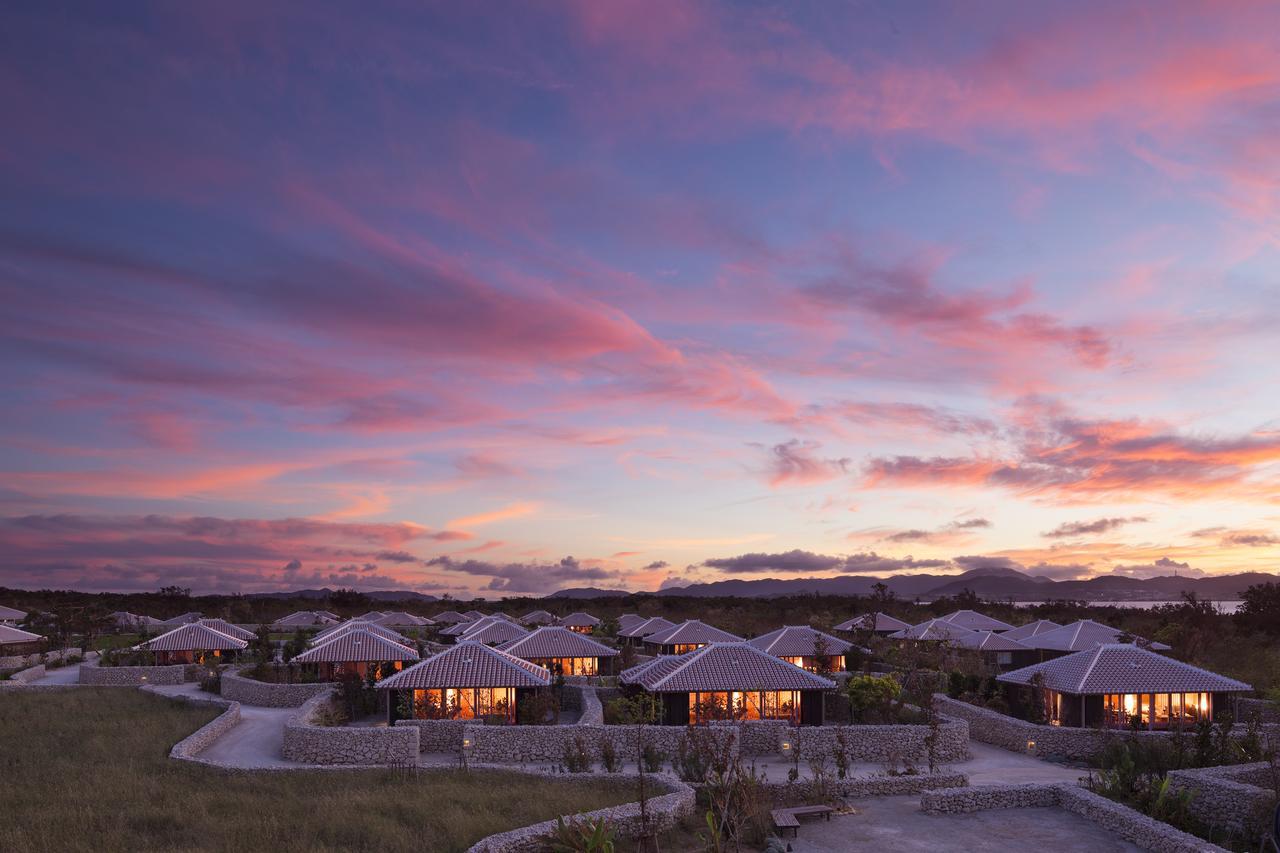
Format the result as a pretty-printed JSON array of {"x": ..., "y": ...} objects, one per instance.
[{"x": 1089, "y": 671}]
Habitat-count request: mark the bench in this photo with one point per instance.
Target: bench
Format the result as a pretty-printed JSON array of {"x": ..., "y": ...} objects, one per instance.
[{"x": 785, "y": 819}]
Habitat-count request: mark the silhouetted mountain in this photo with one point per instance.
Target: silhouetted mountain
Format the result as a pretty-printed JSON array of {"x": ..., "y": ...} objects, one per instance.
[
  {"x": 376, "y": 595},
  {"x": 588, "y": 592}
]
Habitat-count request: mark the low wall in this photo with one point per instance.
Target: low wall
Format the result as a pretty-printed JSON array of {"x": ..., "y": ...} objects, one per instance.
[
  {"x": 588, "y": 702},
  {"x": 27, "y": 675},
  {"x": 861, "y": 787},
  {"x": 1131, "y": 825},
  {"x": 130, "y": 676},
  {"x": 190, "y": 747},
  {"x": 883, "y": 743},
  {"x": 249, "y": 691},
  {"x": 438, "y": 735},
  {"x": 522, "y": 744},
  {"x": 1267, "y": 711},
  {"x": 337, "y": 745},
  {"x": 24, "y": 661},
  {"x": 664, "y": 812},
  {"x": 1237, "y": 797}
]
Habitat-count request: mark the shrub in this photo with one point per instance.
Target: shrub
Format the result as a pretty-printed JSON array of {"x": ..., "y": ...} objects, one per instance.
[
  {"x": 699, "y": 754},
  {"x": 541, "y": 708},
  {"x": 871, "y": 696},
  {"x": 609, "y": 756},
  {"x": 212, "y": 683},
  {"x": 654, "y": 758},
  {"x": 583, "y": 836},
  {"x": 576, "y": 757}
]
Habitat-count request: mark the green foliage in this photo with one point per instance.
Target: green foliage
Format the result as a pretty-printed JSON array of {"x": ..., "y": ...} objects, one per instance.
[
  {"x": 871, "y": 696},
  {"x": 653, "y": 758},
  {"x": 540, "y": 708},
  {"x": 609, "y": 758},
  {"x": 1260, "y": 610},
  {"x": 583, "y": 836},
  {"x": 576, "y": 757}
]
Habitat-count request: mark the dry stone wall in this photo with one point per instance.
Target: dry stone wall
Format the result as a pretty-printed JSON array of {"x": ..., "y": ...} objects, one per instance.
[
  {"x": 883, "y": 743},
  {"x": 249, "y": 691},
  {"x": 1267, "y": 711},
  {"x": 1238, "y": 797},
  {"x": 437, "y": 735},
  {"x": 336, "y": 745},
  {"x": 130, "y": 676},
  {"x": 23, "y": 661},
  {"x": 861, "y": 787}
]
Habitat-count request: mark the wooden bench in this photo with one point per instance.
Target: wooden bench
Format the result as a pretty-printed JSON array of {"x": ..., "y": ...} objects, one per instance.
[{"x": 785, "y": 819}]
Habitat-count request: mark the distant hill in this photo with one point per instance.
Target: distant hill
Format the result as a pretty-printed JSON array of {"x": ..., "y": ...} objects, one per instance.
[
  {"x": 588, "y": 592},
  {"x": 376, "y": 595}
]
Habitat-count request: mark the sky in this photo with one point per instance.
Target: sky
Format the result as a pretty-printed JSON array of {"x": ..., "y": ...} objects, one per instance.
[{"x": 495, "y": 299}]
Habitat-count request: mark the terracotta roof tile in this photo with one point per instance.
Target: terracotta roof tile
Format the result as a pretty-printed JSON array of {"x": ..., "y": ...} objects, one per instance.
[
  {"x": 975, "y": 621},
  {"x": 193, "y": 636},
  {"x": 692, "y": 631},
  {"x": 373, "y": 627},
  {"x": 537, "y": 617},
  {"x": 873, "y": 622},
  {"x": 798, "y": 641},
  {"x": 10, "y": 614},
  {"x": 722, "y": 666},
  {"x": 469, "y": 665},
  {"x": 493, "y": 631},
  {"x": 448, "y": 617},
  {"x": 647, "y": 627},
  {"x": 304, "y": 619},
  {"x": 9, "y": 634},
  {"x": 989, "y": 641},
  {"x": 1031, "y": 629},
  {"x": 933, "y": 629},
  {"x": 557, "y": 642},
  {"x": 228, "y": 629},
  {"x": 1080, "y": 636},
  {"x": 578, "y": 619},
  {"x": 1123, "y": 668},
  {"x": 355, "y": 645}
]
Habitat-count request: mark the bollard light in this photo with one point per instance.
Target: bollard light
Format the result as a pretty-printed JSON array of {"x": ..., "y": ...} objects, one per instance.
[{"x": 1031, "y": 747}]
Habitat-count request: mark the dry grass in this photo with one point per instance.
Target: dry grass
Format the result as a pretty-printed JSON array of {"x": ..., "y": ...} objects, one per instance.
[{"x": 89, "y": 770}]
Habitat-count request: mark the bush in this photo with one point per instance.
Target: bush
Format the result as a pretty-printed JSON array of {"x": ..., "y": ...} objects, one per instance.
[
  {"x": 654, "y": 758},
  {"x": 871, "y": 697},
  {"x": 576, "y": 757},
  {"x": 609, "y": 756},
  {"x": 212, "y": 683}
]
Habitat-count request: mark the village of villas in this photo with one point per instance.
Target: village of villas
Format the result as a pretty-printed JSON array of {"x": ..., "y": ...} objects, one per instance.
[{"x": 859, "y": 723}]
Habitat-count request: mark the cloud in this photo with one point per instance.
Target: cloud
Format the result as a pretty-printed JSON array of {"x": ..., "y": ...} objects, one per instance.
[
  {"x": 971, "y": 523},
  {"x": 1060, "y": 571},
  {"x": 1163, "y": 567},
  {"x": 656, "y": 564},
  {"x": 796, "y": 462},
  {"x": 1082, "y": 528},
  {"x": 910, "y": 536},
  {"x": 798, "y": 561},
  {"x": 518, "y": 509},
  {"x": 527, "y": 577}
]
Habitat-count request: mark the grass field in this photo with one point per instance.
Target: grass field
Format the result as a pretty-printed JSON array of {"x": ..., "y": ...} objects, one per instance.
[{"x": 89, "y": 770}]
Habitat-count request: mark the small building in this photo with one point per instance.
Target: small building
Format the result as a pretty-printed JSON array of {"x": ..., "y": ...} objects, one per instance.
[
  {"x": 492, "y": 631},
  {"x": 11, "y": 615},
  {"x": 1031, "y": 629},
  {"x": 381, "y": 630},
  {"x": 806, "y": 647},
  {"x": 473, "y": 615},
  {"x": 537, "y": 617},
  {"x": 563, "y": 652},
  {"x": 15, "y": 641},
  {"x": 637, "y": 633},
  {"x": 687, "y": 636},
  {"x": 192, "y": 643},
  {"x": 877, "y": 623},
  {"x": 356, "y": 651},
  {"x": 184, "y": 619},
  {"x": 133, "y": 622},
  {"x": 579, "y": 622},
  {"x": 729, "y": 681},
  {"x": 371, "y": 616},
  {"x": 449, "y": 617},
  {"x": 1082, "y": 636},
  {"x": 932, "y": 630},
  {"x": 997, "y": 650},
  {"x": 227, "y": 628},
  {"x": 975, "y": 621},
  {"x": 467, "y": 681},
  {"x": 302, "y": 619},
  {"x": 401, "y": 619},
  {"x": 627, "y": 621},
  {"x": 1119, "y": 685}
]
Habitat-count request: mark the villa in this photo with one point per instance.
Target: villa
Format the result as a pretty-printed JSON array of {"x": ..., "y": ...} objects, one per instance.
[
  {"x": 227, "y": 628},
  {"x": 303, "y": 619},
  {"x": 11, "y": 616},
  {"x": 627, "y": 621},
  {"x": 933, "y": 630},
  {"x": 563, "y": 651},
  {"x": 191, "y": 643},
  {"x": 449, "y": 617},
  {"x": 688, "y": 636},
  {"x": 1031, "y": 629},
  {"x": 537, "y": 617},
  {"x": 997, "y": 650},
  {"x": 371, "y": 616},
  {"x": 729, "y": 681},
  {"x": 356, "y": 651},
  {"x": 1120, "y": 685},
  {"x": 372, "y": 627},
  {"x": 15, "y": 641},
  {"x": 491, "y": 630},
  {"x": 807, "y": 648},
  {"x": 637, "y": 632},
  {"x": 975, "y": 621},
  {"x": 877, "y": 623},
  {"x": 473, "y": 615},
  {"x": 579, "y": 622},
  {"x": 401, "y": 619},
  {"x": 185, "y": 618},
  {"x": 1081, "y": 636},
  {"x": 126, "y": 621},
  {"x": 468, "y": 681}
]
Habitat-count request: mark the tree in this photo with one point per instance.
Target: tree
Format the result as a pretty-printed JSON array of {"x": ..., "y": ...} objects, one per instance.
[
  {"x": 1260, "y": 610},
  {"x": 871, "y": 693},
  {"x": 177, "y": 592},
  {"x": 640, "y": 711}
]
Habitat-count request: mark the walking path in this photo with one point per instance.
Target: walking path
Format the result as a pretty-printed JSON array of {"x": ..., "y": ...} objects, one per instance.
[
  {"x": 254, "y": 742},
  {"x": 62, "y": 675}
]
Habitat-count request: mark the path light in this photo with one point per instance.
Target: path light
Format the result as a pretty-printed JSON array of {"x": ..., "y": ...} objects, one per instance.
[
  {"x": 1031, "y": 747},
  {"x": 786, "y": 744}
]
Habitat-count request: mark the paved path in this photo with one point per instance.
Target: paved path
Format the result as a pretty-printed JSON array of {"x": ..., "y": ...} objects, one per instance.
[
  {"x": 254, "y": 742},
  {"x": 897, "y": 824},
  {"x": 61, "y": 675}
]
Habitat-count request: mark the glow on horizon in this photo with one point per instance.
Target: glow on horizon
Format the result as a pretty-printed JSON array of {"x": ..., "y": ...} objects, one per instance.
[{"x": 617, "y": 295}]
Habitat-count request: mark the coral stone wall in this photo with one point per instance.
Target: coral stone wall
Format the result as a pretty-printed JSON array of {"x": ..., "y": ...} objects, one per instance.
[
  {"x": 130, "y": 676},
  {"x": 1237, "y": 797},
  {"x": 23, "y": 661},
  {"x": 881, "y": 743},
  {"x": 1267, "y": 711},
  {"x": 438, "y": 735},
  {"x": 312, "y": 744},
  {"x": 249, "y": 691},
  {"x": 21, "y": 679},
  {"x": 521, "y": 744},
  {"x": 1131, "y": 825}
]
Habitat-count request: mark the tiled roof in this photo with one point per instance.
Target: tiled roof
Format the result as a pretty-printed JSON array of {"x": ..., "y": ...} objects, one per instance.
[
  {"x": 722, "y": 666},
  {"x": 578, "y": 619},
  {"x": 449, "y": 617},
  {"x": 469, "y": 665},
  {"x": 494, "y": 631},
  {"x": 934, "y": 629},
  {"x": 9, "y": 614},
  {"x": 193, "y": 636},
  {"x": 330, "y": 614},
  {"x": 371, "y": 616},
  {"x": 1080, "y": 636},
  {"x": 191, "y": 616},
  {"x": 537, "y": 617},
  {"x": 304, "y": 619},
  {"x": 228, "y": 629},
  {"x": 692, "y": 631},
  {"x": 557, "y": 642},
  {"x": 873, "y": 622},
  {"x": 355, "y": 645},
  {"x": 798, "y": 641},
  {"x": 400, "y": 619},
  {"x": 9, "y": 634},
  {"x": 629, "y": 620},
  {"x": 1031, "y": 629},
  {"x": 456, "y": 629},
  {"x": 647, "y": 627},
  {"x": 474, "y": 614},
  {"x": 989, "y": 641},
  {"x": 975, "y": 621},
  {"x": 372, "y": 627},
  {"x": 1123, "y": 668}
]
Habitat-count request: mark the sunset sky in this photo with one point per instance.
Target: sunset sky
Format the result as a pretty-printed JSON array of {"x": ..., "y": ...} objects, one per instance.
[{"x": 500, "y": 298}]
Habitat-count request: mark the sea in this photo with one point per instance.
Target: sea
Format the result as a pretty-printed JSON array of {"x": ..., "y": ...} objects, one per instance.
[{"x": 1223, "y": 606}]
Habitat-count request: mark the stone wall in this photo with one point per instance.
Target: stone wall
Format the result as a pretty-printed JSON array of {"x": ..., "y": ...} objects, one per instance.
[
  {"x": 1239, "y": 797},
  {"x": 525, "y": 744},
  {"x": 23, "y": 661},
  {"x": 861, "y": 787},
  {"x": 1062, "y": 743},
  {"x": 249, "y": 691},
  {"x": 312, "y": 744},
  {"x": 438, "y": 735},
  {"x": 882, "y": 743},
  {"x": 190, "y": 747},
  {"x": 664, "y": 812},
  {"x": 1133, "y": 826},
  {"x": 588, "y": 702},
  {"x": 26, "y": 676},
  {"x": 130, "y": 676},
  {"x": 1267, "y": 711}
]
